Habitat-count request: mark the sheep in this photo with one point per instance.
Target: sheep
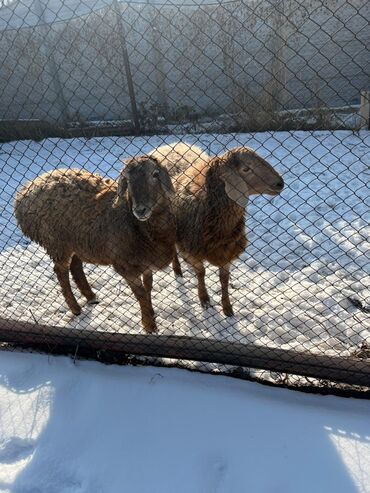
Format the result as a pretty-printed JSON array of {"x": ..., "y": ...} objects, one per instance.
[
  {"x": 211, "y": 197},
  {"x": 80, "y": 217}
]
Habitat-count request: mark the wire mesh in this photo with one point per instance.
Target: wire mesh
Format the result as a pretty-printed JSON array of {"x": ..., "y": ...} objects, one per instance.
[{"x": 237, "y": 132}]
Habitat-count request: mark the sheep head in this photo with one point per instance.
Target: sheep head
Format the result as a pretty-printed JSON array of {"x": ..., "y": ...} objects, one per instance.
[
  {"x": 245, "y": 173},
  {"x": 148, "y": 186}
]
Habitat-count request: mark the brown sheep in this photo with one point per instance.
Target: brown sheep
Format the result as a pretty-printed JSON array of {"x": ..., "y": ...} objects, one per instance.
[
  {"x": 210, "y": 202},
  {"x": 80, "y": 217}
]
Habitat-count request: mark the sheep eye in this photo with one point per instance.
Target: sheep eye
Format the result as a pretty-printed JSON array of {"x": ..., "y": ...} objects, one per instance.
[{"x": 155, "y": 174}]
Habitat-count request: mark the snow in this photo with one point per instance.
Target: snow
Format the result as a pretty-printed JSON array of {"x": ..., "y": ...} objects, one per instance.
[
  {"x": 90, "y": 428},
  {"x": 308, "y": 251}
]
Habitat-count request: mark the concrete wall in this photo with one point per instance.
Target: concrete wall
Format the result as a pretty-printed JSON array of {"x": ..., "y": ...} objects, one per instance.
[{"x": 59, "y": 60}]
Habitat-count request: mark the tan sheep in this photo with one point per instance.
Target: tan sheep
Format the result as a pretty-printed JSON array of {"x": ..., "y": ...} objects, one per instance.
[
  {"x": 211, "y": 196},
  {"x": 80, "y": 217}
]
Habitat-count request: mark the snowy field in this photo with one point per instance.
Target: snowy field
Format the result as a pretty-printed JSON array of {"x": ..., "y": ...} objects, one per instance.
[
  {"x": 309, "y": 249},
  {"x": 90, "y": 428}
]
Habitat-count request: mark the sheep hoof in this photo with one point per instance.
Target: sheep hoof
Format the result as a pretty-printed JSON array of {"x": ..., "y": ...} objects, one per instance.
[
  {"x": 150, "y": 327},
  {"x": 93, "y": 301},
  {"x": 229, "y": 312},
  {"x": 206, "y": 304},
  {"x": 76, "y": 311}
]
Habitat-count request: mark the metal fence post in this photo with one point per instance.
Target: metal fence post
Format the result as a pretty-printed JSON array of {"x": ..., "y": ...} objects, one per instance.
[
  {"x": 159, "y": 59},
  {"x": 51, "y": 66},
  {"x": 278, "y": 66},
  {"x": 127, "y": 68}
]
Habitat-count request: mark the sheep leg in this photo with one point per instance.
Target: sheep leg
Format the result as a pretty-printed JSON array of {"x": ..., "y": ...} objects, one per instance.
[
  {"x": 62, "y": 272},
  {"x": 224, "y": 273},
  {"x": 81, "y": 281},
  {"x": 176, "y": 266},
  {"x": 148, "y": 283},
  {"x": 200, "y": 272},
  {"x": 142, "y": 296}
]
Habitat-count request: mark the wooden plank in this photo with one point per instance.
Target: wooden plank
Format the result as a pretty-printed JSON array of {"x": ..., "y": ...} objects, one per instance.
[{"x": 349, "y": 370}]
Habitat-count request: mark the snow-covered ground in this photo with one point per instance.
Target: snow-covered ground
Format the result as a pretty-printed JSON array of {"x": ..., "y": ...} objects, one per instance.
[
  {"x": 90, "y": 428},
  {"x": 309, "y": 249}
]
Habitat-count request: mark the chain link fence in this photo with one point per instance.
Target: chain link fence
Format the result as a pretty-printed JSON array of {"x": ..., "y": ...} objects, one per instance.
[{"x": 258, "y": 111}]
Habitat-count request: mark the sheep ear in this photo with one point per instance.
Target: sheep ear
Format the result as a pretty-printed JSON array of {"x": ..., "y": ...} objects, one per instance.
[
  {"x": 166, "y": 182},
  {"x": 122, "y": 187},
  {"x": 235, "y": 187}
]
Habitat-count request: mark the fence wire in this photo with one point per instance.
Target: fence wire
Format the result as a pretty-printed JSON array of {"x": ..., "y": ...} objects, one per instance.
[{"x": 232, "y": 140}]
